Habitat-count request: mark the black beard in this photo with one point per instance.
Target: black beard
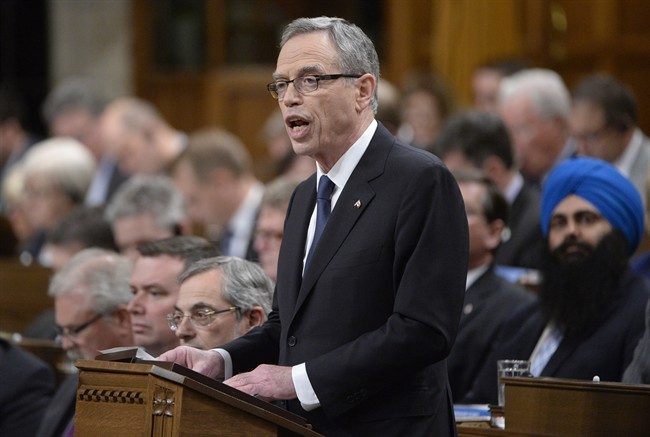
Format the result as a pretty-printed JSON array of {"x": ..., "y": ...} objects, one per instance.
[{"x": 581, "y": 281}]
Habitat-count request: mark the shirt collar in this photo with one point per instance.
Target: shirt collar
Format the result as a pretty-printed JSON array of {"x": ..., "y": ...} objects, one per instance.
[
  {"x": 342, "y": 170},
  {"x": 245, "y": 214},
  {"x": 474, "y": 274},
  {"x": 625, "y": 162},
  {"x": 514, "y": 187}
]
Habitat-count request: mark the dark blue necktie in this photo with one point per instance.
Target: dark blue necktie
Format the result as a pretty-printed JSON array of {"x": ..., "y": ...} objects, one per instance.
[{"x": 323, "y": 209}]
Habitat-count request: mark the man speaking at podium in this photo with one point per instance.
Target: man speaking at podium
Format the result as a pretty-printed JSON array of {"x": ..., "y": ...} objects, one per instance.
[{"x": 372, "y": 267}]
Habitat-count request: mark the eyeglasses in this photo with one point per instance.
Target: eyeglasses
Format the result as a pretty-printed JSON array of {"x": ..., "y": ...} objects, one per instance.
[
  {"x": 198, "y": 318},
  {"x": 303, "y": 84},
  {"x": 73, "y": 331}
]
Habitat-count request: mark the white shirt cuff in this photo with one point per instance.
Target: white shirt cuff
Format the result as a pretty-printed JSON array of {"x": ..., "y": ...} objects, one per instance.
[
  {"x": 227, "y": 362},
  {"x": 306, "y": 394}
]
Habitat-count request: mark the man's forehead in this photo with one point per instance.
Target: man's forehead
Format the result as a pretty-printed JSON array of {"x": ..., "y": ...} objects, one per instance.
[
  {"x": 572, "y": 204},
  {"x": 313, "y": 50}
]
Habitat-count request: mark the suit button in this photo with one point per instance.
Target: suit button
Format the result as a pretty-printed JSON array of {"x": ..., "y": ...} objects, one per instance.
[{"x": 291, "y": 341}]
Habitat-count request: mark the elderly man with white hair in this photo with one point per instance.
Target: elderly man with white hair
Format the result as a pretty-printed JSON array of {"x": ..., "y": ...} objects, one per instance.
[
  {"x": 91, "y": 293},
  {"x": 535, "y": 106},
  {"x": 57, "y": 172}
]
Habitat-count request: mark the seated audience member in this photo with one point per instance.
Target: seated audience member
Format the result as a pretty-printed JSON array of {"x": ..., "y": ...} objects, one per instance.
[
  {"x": 487, "y": 79},
  {"x": 270, "y": 223},
  {"x": 145, "y": 208},
  {"x": 638, "y": 372},
  {"x": 57, "y": 173},
  {"x": 214, "y": 173},
  {"x": 603, "y": 125},
  {"x": 83, "y": 228},
  {"x": 477, "y": 140},
  {"x": 426, "y": 104},
  {"x": 15, "y": 139},
  {"x": 534, "y": 105},
  {"x": 16, "y": 210},
  {"x": 220, "y": 299},
  {"x": 589, "y": 317},
  {"x": 90, "y": 296},
  {"x": 26, "y": 388},
  {"x": 155, "y": 287},
  {"x": 489, "y": 300},
  {"x": 137, "y": 134},
  {"x": 73, "y": 109}
]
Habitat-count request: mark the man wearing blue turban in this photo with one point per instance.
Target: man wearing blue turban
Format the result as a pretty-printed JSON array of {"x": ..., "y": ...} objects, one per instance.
[{"x": 590, "y": 312}]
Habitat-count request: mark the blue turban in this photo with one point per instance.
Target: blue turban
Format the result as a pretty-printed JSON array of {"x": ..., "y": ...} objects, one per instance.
[{"x": 603, "y": 186}]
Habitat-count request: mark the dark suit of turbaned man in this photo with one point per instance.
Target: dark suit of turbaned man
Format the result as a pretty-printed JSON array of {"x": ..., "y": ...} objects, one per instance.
[{"x": 361, "y": 326}]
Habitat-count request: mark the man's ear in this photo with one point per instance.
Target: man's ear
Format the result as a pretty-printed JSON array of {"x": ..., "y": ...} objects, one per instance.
[
  {"x": 366, "y": 86},
  {"x": 254, "y": 317},
  {"x": 496, "y": 230}
]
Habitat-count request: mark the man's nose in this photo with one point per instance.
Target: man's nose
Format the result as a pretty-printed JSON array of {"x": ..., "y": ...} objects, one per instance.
[
  {"x": 66, "y": 343},
  {"x": 291, "y": 95},
  {"x": 185, "y": 330},
  {"x": 135, "y": 305},
  {"x": 572, "y": 228}
]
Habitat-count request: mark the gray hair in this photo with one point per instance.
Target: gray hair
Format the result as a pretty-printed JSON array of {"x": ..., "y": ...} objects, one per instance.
[
  {"x": 65, "y": 162},
  {"x": 155, "y": 195},
  {"x": 244, "y": 284},
  {"x": 72, "y": 95},
  {"x": 103, "y": 274},
  {"x": 277, "y": 193},
  {"x": 357, "y": 54},
  {"x": 548, "y": 94}
]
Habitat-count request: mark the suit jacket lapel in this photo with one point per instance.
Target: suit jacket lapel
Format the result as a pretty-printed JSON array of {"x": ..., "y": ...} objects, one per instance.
[
  {"x": 345, "y": 214},
  {"x": 293, "y": 243}
]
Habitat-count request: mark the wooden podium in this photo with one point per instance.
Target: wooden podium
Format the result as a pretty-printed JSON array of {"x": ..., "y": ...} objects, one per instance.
[
  {"x": 569, "y": 407},
  {"x": 163, "y": 399}
]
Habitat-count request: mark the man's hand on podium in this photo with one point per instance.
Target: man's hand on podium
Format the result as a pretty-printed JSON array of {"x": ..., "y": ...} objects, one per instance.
[
  {"x": 209, "y": 363},
  {"x": 271, "y": 383}
]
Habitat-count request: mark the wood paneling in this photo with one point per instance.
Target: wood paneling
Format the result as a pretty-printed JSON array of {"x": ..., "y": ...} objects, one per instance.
[{"x": 452, "y": 37}]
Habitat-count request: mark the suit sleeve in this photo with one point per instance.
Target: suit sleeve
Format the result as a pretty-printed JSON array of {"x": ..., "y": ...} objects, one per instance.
[
  {"x": 429, "y": 267},
  {"x": 261, "y": 344},
  {"x": 638, "y": 372}
]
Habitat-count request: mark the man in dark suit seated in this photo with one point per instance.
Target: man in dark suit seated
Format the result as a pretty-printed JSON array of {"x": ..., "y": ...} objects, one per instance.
[
  {"x": 589, "y": 317},
  {"x": 215, "y": 175},
  {"x": 26, "y": 388},
  {"x": 489, "y": 299},
  {"x": 477, "y": 140},
  {"x": 372, "y": 264},
  {"x": 90, "y": 297}
]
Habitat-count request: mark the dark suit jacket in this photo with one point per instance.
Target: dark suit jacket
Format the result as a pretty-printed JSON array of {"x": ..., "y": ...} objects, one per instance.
[
  {"x": 605, "y": 351},
  {"x": 524, "y": 248},
  {"x": 377, "y": 311},
  {"x": 489, "y": 302},
  {"x": 638, "y": 372},
  {"x": 26, "y": 386},
  {"x": 60, "y": 410}
]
